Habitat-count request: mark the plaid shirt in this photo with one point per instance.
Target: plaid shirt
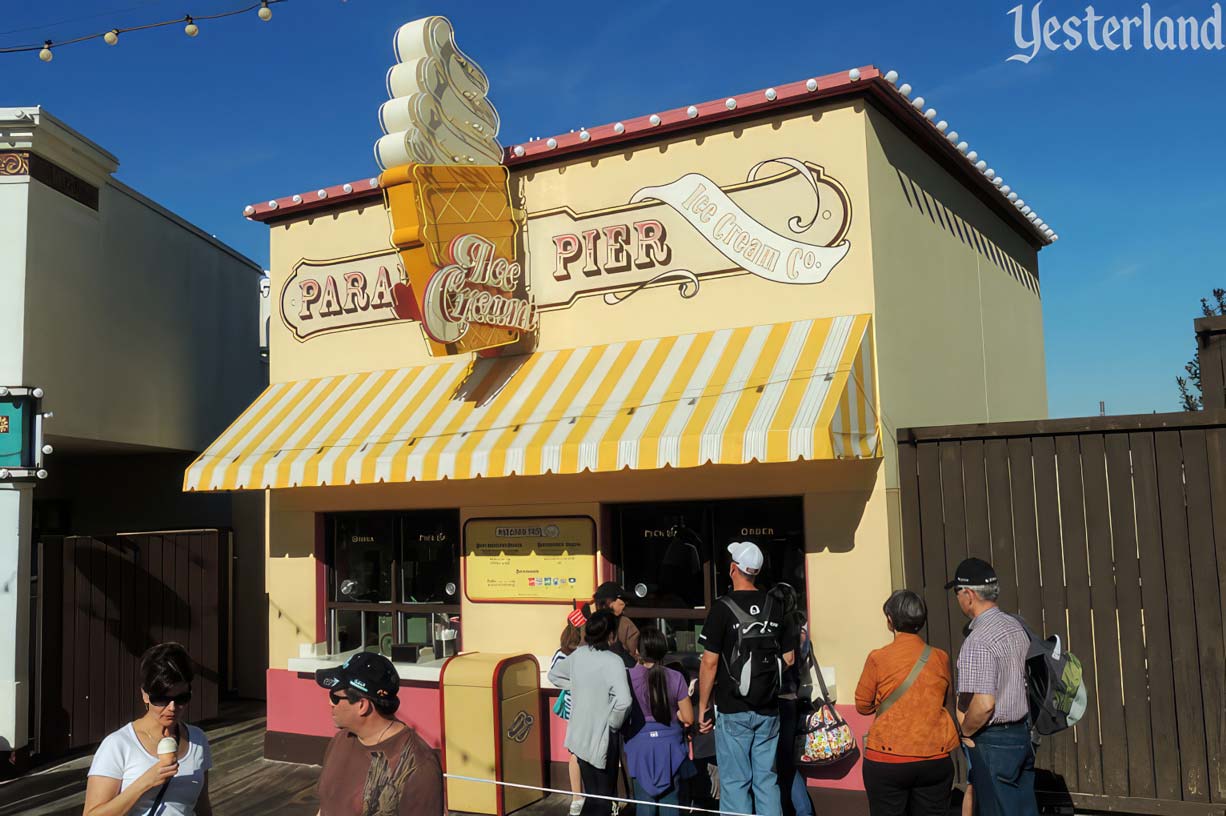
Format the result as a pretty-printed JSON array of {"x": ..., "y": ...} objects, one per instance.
[{"x": 993, "y": 661}]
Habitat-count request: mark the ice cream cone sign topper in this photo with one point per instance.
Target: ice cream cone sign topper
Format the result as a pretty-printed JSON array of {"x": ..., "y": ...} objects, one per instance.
[{"x": 448, "y": 197}]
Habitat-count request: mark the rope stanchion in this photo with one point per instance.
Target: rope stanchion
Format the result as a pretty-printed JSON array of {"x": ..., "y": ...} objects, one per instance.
[{"x": 686, "y": 808}]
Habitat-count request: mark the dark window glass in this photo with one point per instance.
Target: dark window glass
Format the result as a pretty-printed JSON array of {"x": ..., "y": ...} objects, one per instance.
[
  {"x": 363, "y": 546},
  {"x": 430, "y": 560},
  {"x": 776, "y": 526},
  {"x": 664, "y": 548},
  {"x": 368, "y": 631},
  {"x": 438, "y": 631}
]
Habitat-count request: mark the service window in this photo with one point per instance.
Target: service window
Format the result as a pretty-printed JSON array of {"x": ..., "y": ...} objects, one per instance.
[
  {"x": 392, "y": 581},
  {"x": 673, "y": 556}
]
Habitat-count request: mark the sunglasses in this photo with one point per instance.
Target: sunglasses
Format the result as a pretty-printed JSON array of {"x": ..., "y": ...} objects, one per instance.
[
  {"x": 161, "y": 701},
  {"x": 337, "y": 697}
]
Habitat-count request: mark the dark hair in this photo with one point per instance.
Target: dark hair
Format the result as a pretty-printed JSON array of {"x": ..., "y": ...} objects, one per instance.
[
  {"x": 572, "y": 637},
  {"x": 164, "y": 666},
  {"x": 785, "y": 595},
  {"x": 652, "y": 648},
  {"x": 598, "y": 628},
  {"x": 385, "y": 706},
  {"x": 907, "y": 610}
]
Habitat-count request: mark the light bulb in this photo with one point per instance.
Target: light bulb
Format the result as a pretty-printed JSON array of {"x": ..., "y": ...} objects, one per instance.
[
  {"x": 265, "y": 12},
  {"x": 191, "y": 29},
  {"x": 111, "y": 37},
  {"x": 45, "y": 55}
]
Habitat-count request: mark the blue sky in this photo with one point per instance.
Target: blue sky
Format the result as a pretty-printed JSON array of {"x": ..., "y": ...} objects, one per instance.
[{"x": 1119, "y": 151}]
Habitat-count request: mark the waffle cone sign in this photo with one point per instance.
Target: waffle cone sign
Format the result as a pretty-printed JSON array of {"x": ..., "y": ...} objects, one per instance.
[{"x": 457, "y": 234}]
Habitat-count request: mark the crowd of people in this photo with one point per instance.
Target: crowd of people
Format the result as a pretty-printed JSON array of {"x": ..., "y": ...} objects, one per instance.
[{"x": 721, "y": 740}]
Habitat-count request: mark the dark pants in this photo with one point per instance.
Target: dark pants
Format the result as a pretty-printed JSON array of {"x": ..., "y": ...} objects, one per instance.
[
  {"x": 1002, "y": 771},
  {"x": 600, "y": 781},
  {"x": 672, "y": 796},
  {"x": 909, "y": 788}
]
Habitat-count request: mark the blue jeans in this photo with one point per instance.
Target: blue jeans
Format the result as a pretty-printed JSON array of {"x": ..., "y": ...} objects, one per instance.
[
  {"x": 745, "y": 745},
  {"x": 669, "y": 797},
  {"x": 1002, "y": 771}
]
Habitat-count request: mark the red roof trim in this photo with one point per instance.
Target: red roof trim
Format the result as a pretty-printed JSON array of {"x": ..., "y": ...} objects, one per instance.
[{"x": 867, "y": 79}]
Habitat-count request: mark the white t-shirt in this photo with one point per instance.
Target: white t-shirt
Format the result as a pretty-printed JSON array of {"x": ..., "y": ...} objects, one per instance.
[{"x": 121, "y": 756}]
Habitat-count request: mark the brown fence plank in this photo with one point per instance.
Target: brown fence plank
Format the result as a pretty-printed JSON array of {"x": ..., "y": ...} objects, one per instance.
[
  {"x": 1207, "y": 600},
  {"x": 98, "y": 640},
  {"x": 1215, "y": 450},
  {"x": 975, "y": 500},
  {"x": 1181, "y": 608},
  {"x": 1110, "y": 696},
  {"x": 1025, "y": 532},
  {"x": 170, "y": 592},
  {"x": 54, "y": 720},
  {"x": 141, "y": 637},
  {"x": 126, "y": 631},
  {"x": 1167, "y": 772},
  {"x": 1077, "y": 591},
  {"x": 1000, "y": 519},
  {"x": 933, "y": 530},
  {"x": 1063, "y": 748},
  {"x": 954, "y": 514},
  {"x": 912, "y": 541},
  {"x": 212, "y": 556},
  {"x": 113, "y": 558},
  {"x": 77, "y": 606},
  {"x": 1128, "y": 600}
]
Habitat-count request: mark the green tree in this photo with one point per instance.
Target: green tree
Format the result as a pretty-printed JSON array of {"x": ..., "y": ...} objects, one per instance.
[{"x": 1190, "y": 394}]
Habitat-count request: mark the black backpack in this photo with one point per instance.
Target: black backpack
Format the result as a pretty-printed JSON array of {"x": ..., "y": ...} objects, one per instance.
[{"x": 754, "y": 664}]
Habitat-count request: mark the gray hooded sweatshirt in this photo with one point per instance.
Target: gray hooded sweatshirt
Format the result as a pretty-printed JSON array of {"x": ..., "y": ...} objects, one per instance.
[{"x": 599, "y": 700}]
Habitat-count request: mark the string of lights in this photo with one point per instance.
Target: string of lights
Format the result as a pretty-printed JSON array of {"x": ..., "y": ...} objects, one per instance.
[{"x": 111, "y": 37}]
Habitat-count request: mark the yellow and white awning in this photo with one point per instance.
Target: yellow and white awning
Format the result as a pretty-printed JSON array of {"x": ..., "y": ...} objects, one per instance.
[{"x": 777, "y": 393}]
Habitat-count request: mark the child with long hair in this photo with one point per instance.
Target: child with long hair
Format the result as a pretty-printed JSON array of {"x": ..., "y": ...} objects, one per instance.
[{"x": 656, "y": 750}]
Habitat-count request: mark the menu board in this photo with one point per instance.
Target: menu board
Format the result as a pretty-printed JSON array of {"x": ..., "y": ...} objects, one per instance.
[{"x": 530, "y": 559}]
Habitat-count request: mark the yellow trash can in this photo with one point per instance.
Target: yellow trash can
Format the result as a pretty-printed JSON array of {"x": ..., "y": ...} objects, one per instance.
[{"x": 492, "y": 729}]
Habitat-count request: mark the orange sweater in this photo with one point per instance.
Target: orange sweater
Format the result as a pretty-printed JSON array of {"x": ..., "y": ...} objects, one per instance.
[{"x": 917, "y": 726}]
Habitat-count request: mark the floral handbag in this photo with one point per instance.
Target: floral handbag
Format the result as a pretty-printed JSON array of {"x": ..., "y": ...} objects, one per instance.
[{"x": 823, "y": 737}]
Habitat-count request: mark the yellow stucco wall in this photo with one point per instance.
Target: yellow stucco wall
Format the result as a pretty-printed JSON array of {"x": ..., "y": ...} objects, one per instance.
[{"x": 956, "y": 341}]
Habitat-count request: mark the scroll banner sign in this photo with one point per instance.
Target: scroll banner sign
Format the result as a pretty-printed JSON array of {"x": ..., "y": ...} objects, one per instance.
[
  {"x": 529, "y": 559},
  {"x": 786, "y": 223}
]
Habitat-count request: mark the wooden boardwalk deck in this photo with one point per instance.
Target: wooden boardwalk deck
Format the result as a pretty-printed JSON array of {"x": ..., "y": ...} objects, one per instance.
[{"x": 241, "y": 781}]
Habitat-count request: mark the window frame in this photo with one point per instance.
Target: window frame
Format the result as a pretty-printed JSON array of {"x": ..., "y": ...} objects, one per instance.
[{"x": 397, "y": 607}]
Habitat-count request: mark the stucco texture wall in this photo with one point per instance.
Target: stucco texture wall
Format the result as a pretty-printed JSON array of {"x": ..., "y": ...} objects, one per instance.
[{"x": 141, "y": 331}]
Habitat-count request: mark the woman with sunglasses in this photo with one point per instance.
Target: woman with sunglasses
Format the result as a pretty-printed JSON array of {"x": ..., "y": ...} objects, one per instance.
[{"x": 136, "y": 770}]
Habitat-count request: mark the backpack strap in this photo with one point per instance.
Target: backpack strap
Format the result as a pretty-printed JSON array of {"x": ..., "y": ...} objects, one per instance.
[{"x": 905, "y": 685}]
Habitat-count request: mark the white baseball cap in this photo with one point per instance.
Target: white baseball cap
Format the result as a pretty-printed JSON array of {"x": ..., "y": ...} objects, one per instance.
[{"x": 746, "y": 556}]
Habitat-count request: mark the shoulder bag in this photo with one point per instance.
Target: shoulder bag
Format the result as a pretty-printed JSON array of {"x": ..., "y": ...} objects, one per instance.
[{"x": 823, "y": 737}]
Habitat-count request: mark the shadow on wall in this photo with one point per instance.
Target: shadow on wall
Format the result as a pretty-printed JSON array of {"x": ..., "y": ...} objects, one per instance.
[{"x": 834, "y": 513}]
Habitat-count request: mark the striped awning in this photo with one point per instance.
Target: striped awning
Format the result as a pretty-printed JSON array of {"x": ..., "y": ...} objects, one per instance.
[{"x": 776, "y": 393}]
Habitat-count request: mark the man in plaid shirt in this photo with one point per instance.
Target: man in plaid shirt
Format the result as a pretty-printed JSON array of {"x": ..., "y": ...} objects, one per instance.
[{"x": 993, "y": 711}]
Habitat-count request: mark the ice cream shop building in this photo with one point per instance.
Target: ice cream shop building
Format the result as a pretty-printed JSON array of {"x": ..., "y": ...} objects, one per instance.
[{"x": 501, "y": 376}]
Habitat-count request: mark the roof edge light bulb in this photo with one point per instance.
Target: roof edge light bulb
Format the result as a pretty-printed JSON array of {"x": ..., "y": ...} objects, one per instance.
[
  {"x": 111, "y": 37},
  {"x": 265, "y": 13},
  {"x": 191, "y": 29},
  {"x": 45, "y": 54}
]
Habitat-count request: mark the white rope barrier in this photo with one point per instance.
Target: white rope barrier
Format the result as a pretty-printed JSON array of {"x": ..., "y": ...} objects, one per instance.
[{"x": 687, "y": 808}]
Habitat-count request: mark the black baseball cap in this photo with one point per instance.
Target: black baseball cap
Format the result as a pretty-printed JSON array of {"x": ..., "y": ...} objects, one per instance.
[
  {"x": 610, "y": 591},
  {"x": 370, "y": 673},
  {"x": 973, "y": 572}
]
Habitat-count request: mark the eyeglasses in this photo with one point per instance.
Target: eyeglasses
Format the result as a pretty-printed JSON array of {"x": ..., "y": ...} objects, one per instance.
[{"x": 161, "y": 701}]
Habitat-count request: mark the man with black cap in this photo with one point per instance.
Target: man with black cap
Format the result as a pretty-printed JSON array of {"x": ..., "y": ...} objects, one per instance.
[
  {"x": 377, "y": 765},
  {"x": 993, "y": 711},
  {"x": 611, "y": 596}
]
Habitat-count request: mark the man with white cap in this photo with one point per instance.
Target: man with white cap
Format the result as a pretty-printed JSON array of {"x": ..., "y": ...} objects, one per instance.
[{"x": 740, "y": 673}]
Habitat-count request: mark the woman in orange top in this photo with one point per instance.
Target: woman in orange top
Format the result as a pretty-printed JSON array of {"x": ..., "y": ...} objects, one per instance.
[{"x": 907, "y": 767}]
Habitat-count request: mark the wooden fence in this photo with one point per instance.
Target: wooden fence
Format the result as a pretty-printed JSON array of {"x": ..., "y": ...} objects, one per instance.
[
  {"x": 103, "y": 601},
  {"x": 1110, "y": 532}
]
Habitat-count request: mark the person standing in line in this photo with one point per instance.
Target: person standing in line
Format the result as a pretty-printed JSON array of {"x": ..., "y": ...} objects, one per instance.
[
  {"x": 907, "y": 767},
  {"x": 793, "y": 791},
  {"x": 600, "y": 699},
  {"x": 993, "y": 710},
  {"x": 376, "y": 765},
  {"x": 571, "y": 639},
  {"x": 137, "y": 769},
  {"x": 612, "y": 597},
  {"x": 740, "y": 673},
  {"x": 657, "y": 750}
]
